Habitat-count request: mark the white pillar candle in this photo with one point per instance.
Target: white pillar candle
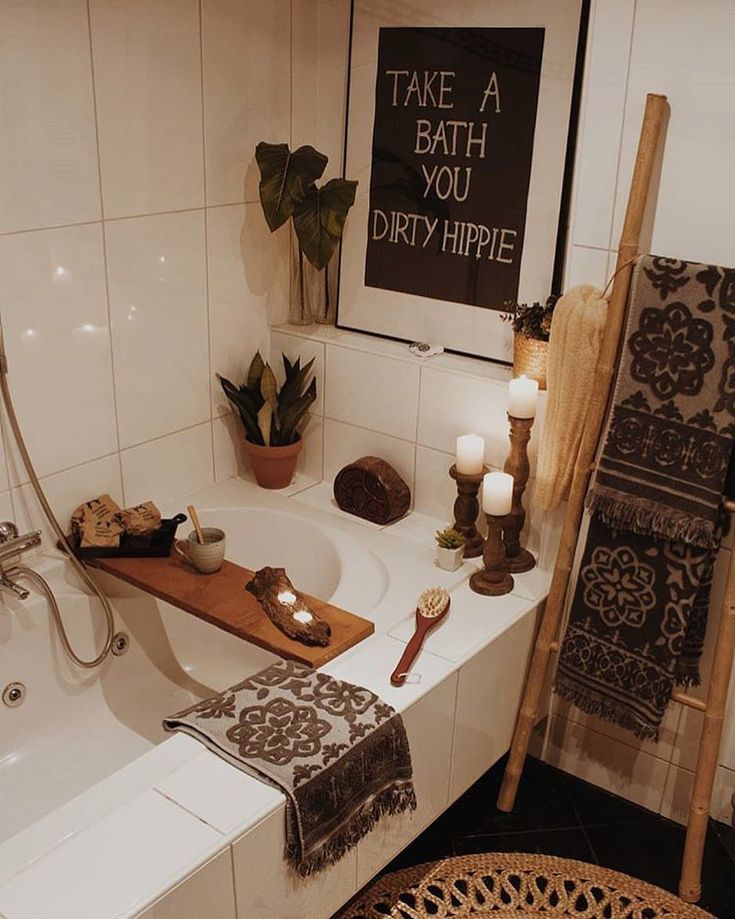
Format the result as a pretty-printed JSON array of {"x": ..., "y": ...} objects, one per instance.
[
  {"x": 470, "y": 454},
  {"x": 522, "y": 397},
  {"x": 497, "y": 493}
]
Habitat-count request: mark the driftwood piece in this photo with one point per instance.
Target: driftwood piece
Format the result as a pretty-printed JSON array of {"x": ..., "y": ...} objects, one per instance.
[
  {"x": 286, "y": 607},
  {"x": 372, "y": 489}
]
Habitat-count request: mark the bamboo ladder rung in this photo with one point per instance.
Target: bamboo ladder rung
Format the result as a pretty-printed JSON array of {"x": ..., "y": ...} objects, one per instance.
[{"x": 684, "y": 698}]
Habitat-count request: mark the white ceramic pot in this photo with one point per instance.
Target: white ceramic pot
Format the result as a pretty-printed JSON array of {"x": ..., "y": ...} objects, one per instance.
[{"x": 449, "y": 559}]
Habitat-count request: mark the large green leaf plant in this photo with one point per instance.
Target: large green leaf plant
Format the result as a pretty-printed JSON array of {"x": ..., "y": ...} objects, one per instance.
[
  {"x": 288, "y": 189},
  {"x": 271, "y": 416}
]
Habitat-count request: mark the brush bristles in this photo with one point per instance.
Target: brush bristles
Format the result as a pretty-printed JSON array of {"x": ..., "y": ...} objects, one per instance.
[{"x": 433, "y": 601}]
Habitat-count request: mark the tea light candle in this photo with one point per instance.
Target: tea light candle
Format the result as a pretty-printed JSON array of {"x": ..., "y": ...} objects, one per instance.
[
  {"x": 522, "y": 397},
  {"x": 497, "y": 493},
  {"x": 470, "y": 454},
  {"x": 303, "y": 615}
]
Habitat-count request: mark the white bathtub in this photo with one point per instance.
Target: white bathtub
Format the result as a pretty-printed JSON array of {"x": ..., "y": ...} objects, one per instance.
[
  {"x": 76, "y": 727},
  {"x": 103, "y": 814}
]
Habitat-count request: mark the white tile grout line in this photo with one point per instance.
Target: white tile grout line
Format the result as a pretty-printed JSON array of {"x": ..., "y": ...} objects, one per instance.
[
  {"x": 210, "y": 393},
  {"x": 622, "y": 129},
  {"x": 86, "y": 223},
  {"x": 110, "y": 338}
]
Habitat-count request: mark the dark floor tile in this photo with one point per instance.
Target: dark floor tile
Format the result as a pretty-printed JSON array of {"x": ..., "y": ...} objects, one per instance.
[
  {"x": 726, "y": 835},
  {"x": 543, "y": 802},
  {"x": 570, "y": 843},
  {"x": 430, "y": 846},
  {"x": 594, "y": 806},
  {"x": 652, "y": 851}
]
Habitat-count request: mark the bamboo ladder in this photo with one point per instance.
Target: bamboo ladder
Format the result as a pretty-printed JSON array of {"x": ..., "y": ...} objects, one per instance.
[{"x": 547, "y": 640}]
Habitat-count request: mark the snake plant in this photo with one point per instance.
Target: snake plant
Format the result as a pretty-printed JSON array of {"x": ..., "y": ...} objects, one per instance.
[{"x": 271, "y": 416}]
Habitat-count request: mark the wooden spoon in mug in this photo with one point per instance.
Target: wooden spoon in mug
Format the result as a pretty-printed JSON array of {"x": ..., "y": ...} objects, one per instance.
[
  {"x": 432, "y": 607},
  {"x": 197, "y": 526}
]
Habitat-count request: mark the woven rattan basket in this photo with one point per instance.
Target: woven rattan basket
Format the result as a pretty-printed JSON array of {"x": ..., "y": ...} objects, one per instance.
[
  {"x": 504, "y": 883},
  {"x": 530, "y": 358}
]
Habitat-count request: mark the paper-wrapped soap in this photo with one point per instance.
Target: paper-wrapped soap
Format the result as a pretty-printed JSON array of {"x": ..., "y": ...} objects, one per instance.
[
  {"x": 98, "y": 522},
  {"x": 142, "y": 519}
]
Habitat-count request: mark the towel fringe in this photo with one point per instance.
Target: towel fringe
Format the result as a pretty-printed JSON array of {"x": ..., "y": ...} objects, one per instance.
[
  {"x": 648, "y": 519},
  {"x": 592, "y": 703},
  {"x": 391, "y": 801}
]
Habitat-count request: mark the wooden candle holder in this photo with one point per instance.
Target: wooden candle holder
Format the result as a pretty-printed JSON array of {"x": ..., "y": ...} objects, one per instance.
[
  {"x": 493, "y": 580},
  {"x": 466, "y": 509},
  {"x": 517, "y": 558}
]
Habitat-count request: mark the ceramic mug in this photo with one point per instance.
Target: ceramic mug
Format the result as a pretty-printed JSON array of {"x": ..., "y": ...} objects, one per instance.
[{"x": 206, "y": 557}]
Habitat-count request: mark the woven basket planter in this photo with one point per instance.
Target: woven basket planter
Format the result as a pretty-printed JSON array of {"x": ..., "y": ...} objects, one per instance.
[
  {"x": 530, "y": 358},
  {"x": 509, "y": 883}
]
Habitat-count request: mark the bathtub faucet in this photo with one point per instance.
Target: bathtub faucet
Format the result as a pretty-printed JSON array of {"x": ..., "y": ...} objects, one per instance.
[
  {"x": 20, "y": 592},
  {"x": 11, "y": 546}
]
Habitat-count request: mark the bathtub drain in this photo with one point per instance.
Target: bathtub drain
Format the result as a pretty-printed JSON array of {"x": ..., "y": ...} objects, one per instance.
[{"x": 14, "y": 694}]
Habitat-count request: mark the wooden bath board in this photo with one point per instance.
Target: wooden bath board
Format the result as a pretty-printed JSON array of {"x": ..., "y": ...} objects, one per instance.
[{"x": 221, "y": 600}]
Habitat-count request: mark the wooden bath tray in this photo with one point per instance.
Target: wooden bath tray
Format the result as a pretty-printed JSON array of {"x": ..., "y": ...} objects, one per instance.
[{"x": 221, "y": 600}]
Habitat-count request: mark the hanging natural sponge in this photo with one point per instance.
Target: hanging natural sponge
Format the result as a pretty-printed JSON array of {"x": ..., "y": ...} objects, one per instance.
[{"x": 574, "y": 349}]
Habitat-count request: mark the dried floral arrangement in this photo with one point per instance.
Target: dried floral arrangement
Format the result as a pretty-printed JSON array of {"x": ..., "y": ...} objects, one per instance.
[{"x": 534, "y": 320}]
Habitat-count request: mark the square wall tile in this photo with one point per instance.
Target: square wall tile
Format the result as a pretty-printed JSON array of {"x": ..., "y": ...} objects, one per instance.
[
  {"x": 616, "y": 767},
  {"x": 429, "y": 725},
  {"x": 586, "y": 266},
  {"x": 246, "y": 52},
  {"x": 452, "y": 404},
  {"x": 696, "y": 195},
  {"x": 48, "y": 173},
  {"x": 258, "y": 856},
  {"x": 207, "y": 892},
  {"x": 678, "y": 793},
  {"x": 169, "y": 467},
  {"x": 65, "y": 491},
  {"x": 57, "y": 338},
  {"x": 248, "y": 278},
  {"x": 344, "y": 443},
  {"x": 488, "y": 695},
  {"x": 155, "y": 839},
  {"x": 147, "y": 68},
  {"x": 320, "y": 51},
  {"x": 293, "y": 346},
  {"x": 372, "y": 391},
  {"x": 158, "y": 307},
  {"x": 435, "y": 490},
  {"x": 601, "y": 120}
]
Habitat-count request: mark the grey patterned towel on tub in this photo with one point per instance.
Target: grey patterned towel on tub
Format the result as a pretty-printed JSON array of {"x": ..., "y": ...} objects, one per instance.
[{"x": 337, "y": 751}]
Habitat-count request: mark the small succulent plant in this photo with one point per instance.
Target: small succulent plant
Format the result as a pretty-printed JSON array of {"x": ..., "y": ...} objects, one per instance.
[
  {"x": 271, "y": 416},
  {"x": 449, "y": 538}
]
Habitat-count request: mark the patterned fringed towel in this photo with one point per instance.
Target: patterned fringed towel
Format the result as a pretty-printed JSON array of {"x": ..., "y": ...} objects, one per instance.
[
  {"x": 338, "y": 752},
  {"x": 639, "y": 611}
]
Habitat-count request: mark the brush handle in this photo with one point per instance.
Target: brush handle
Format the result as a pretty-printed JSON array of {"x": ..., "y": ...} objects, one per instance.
[
  {"x": 197, "y": 526},
  {"x": 398, "y": 677}
]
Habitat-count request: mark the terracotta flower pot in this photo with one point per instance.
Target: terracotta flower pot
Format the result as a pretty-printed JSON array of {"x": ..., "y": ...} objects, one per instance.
[
  {"x": 273, "y": 467},
  {"x": 530, "y": 358}
]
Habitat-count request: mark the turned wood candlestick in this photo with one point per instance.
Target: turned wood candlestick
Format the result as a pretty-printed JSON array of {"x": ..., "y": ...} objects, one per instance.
[
  {"x": 517, "y": 558},
  {"x": 466, "y": 509},
  {"x": 493, "y": 580}
]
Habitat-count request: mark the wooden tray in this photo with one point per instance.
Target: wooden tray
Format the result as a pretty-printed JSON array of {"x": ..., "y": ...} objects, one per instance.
[{"x": 221, "y": 600}]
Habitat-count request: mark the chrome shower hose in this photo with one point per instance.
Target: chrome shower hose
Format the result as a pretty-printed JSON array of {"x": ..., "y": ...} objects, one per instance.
[{"x": 61, "y": 536}]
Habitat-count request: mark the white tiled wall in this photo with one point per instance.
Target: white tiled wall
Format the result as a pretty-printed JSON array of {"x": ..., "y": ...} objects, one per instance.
[
  {"x": 134, "y": 257},
  {"x": 372, "y": 402}
]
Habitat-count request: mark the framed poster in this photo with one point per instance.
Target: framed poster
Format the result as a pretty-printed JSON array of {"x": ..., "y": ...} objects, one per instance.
[{"x": 457, "y": 131}]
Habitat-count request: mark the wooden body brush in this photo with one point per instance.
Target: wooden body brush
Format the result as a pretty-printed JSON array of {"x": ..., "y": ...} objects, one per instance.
[{"x": 432, "y": 607}]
